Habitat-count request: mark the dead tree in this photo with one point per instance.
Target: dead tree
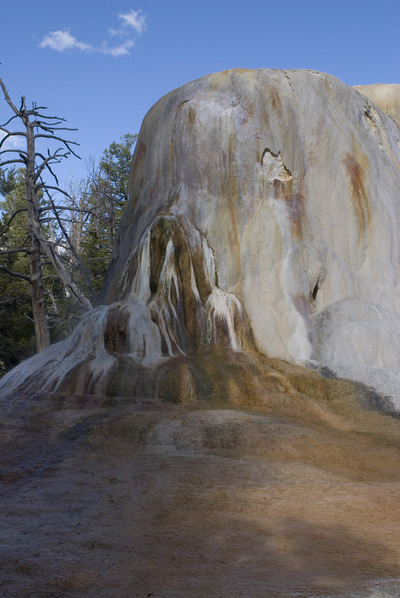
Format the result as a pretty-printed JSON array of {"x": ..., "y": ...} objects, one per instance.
[{"x": 38, "y": 127}]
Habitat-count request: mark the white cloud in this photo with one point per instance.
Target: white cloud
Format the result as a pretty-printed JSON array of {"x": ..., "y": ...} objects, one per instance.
[
  {"x": 63, "y": 40},
  {"x": 134, "y": 19},
  {"x": 12, "y": 143},
  {"x": 133, "y": 23},
  {"x": 121, "y": 50}
]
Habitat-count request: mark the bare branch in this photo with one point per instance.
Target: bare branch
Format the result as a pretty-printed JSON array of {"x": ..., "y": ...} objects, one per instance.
[
  {"x": 70, "y": 244},
  {"x": 10, "y": 134},
  {"x": 3, "y": 128},
  {"x": 41, "y": 123},
  {"x": 52, "y": 174},
  {"x": 61, "y": 271},
  {"x": 17, "y": 151},
  {"x": 45, "y": 186},
  {"x": 11, "y": 300},
  {"x": 16, "y": 274},
  {"x": 45, "y": 117},
  {"x": 14, "y": 250},
  {"x": 55, "y": 157},
  {"x": 12, "y": 162},
  {"x": 69, "y": 209},
  {"x": 9, "y": 120},
  {"x": 66, "y": 142},
  {"x": 7, "y": 97},
  {"x": 13, "y": 216},
  {"x": 51, "y": 219},
  {"x": 50, "y": 128},
  {"x": 55, "y": 137}
]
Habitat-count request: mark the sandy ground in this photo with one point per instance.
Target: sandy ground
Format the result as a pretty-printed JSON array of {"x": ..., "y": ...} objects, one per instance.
[{"x": 161, "y": 501}]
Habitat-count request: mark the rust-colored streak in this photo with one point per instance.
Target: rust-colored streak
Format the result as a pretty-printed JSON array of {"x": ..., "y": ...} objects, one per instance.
[
  {"x": 229, "y": 189},
  {"x": 295, "y": 205},
  {"x": 116, "y": 331},
  {"x": 191, "y": 117},
  {"x": 138, "y": 164},
  {"x": 275, "y": 99},
  {"x": 79, "y": 379},
  {"x": 177, "y": 120},
  {"x": 249, "y": 110},
  {"x": 356, "y": 175}
]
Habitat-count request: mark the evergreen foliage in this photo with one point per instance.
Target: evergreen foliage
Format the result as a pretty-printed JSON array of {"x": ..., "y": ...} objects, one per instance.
[
  {"x": 17, "y": 334},
  {"x": 89, "y": 222},
  {"x": 107, "y": 193}
]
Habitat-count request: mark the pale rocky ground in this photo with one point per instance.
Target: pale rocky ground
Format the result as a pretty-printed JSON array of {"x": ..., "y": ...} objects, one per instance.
[{"x": 134, "y": 498}]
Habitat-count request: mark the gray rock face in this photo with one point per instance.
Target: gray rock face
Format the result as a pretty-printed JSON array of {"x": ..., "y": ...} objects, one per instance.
[{"x": 264, "y": 214}]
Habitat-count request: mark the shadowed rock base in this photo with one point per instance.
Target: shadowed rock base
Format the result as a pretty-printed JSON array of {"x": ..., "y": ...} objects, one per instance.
[{"x": 293, "y": 496}]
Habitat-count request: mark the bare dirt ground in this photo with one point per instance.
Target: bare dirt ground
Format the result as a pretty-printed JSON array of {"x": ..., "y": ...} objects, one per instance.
[{"x": 147, "y": 500}]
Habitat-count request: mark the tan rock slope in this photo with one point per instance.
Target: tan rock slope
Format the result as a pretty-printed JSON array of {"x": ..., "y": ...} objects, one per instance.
[
  {"x": 384, "y": 95},
  {"x": 264, "y": 216}
]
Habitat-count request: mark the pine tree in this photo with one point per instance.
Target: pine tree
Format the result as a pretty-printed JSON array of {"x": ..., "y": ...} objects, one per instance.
[{"x": 107, "y": 194}]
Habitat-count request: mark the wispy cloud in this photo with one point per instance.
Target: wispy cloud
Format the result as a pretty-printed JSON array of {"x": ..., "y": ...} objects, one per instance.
[
  {"x": 132, "y": 24},
  {"x": 134, "y": 19},
  {"x": 63, "y": 40},
  {"x": 120, "y": 50}
]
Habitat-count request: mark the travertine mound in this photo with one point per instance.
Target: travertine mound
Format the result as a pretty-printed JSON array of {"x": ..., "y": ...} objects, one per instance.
[
  {"x": 264, "y": 216},
  {"x": 384, "y": 95},
  {"x": 264, "y": 219}
]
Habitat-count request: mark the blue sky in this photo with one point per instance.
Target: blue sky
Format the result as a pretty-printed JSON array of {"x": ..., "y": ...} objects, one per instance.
[{"x": 101, "y": 64}]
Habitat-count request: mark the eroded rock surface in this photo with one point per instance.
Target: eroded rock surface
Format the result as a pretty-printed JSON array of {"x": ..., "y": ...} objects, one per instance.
[{"x": 264, "y": 216}]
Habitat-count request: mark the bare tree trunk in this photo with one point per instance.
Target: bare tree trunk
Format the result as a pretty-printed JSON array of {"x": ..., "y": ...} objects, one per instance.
[
  {"x": 39, "y": 310},
  {"x": 79, "y": 228},
  {"x": 111, "y": 200},
  {"x": 42, "y": 334}
]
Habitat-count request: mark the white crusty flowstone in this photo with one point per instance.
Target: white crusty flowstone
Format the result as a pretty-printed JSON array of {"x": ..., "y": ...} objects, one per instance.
[{"x": 265, "y": 200}]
